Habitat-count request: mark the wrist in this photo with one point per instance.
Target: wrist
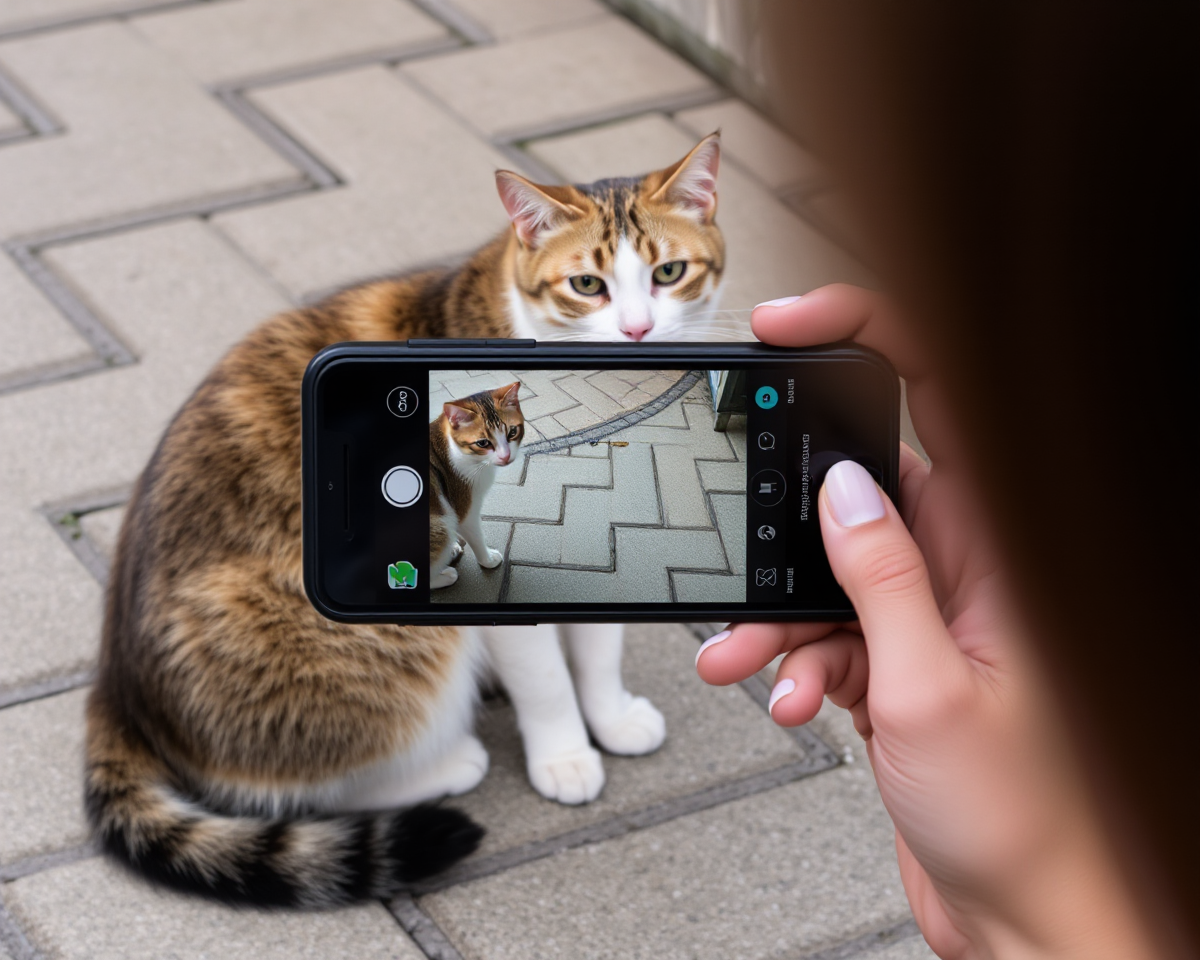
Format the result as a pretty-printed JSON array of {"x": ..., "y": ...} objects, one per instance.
[{"x": 1070, "y": 903}]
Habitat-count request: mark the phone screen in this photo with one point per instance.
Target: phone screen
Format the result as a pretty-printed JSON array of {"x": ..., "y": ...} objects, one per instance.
[{"x": 639, "y": 488}]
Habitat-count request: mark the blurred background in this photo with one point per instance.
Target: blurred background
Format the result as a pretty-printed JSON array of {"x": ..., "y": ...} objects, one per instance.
[{"x": 172, "y": 173}]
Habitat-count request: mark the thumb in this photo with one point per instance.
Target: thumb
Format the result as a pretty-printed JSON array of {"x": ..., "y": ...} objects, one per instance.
[{"x": 880, "y": 566}]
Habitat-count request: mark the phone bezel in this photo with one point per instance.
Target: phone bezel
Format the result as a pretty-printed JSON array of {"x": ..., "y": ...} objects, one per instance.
[{"x": 550, "y": 355}]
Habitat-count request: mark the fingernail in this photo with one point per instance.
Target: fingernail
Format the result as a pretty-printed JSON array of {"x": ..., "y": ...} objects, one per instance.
[
  {"x": 782, "y": 689},
  {"x": 711, "y": 641},
  {"x": 853, "y": 496},
  {"x": 781, "y": 302}
]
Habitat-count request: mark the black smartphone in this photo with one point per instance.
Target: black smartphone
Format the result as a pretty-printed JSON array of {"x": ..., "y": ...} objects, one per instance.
[{"x": 600, "y": 482}]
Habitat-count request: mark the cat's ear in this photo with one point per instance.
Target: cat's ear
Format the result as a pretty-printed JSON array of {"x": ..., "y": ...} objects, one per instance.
[
  {"x": 534, "y": 208},
  {"x": 692, "y": 182},
  {"x": 507, "y": 396},
  {"x": 457, "y": 416}
]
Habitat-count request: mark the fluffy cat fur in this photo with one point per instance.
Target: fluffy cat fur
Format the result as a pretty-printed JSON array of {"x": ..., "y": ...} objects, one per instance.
[
  {"x": 243, "y": 747},
  {"x": 472, "y": 438}
]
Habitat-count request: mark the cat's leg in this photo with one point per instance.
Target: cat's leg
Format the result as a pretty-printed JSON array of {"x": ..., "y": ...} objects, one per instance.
[
  {"x": 443, "y": 540},
  {"x": 471, "y": 529},
  {"x": 561, "y": 763},
  {"x": 620, "y": 722},
  {"x": 457, "y": 771}
]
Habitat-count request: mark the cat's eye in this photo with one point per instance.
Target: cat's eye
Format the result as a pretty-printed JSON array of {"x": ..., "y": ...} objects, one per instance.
[
  {"x": 512, "y": 434},
  {"x": 668, "y": 273},
  {"x": 588, "y": 285},
  {"x": 483, "y": 444}
]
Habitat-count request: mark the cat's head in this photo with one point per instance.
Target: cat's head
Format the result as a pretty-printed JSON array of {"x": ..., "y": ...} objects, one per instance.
[
  {"x": 624, "y": 259},
  {"x": 487, "y": 427}
]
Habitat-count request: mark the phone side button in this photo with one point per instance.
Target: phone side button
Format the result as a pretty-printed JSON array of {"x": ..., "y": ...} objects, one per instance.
[
  {"x": 419, "y": 343},
  {"x": 524, "y": 344}
]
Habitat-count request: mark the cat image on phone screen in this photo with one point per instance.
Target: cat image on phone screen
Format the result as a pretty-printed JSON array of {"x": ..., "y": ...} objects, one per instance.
[{"x": 468, "y": 443}]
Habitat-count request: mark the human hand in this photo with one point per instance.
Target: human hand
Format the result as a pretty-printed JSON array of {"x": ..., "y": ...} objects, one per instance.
[{"x": 998, "y": 850}]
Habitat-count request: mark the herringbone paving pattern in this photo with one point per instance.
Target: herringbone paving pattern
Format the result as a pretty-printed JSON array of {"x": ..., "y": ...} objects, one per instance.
[{"x": 174, "y": 171}]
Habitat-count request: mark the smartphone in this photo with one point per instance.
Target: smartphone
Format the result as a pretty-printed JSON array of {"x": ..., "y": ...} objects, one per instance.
[{"x": 620, "y": 482}]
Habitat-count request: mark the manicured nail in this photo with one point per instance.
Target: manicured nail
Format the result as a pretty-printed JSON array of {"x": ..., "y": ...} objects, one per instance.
[
  {"x": 782, "y": 689},
  {"x": 853, "y": 495},
  {"x": 781, "y": 302},
  {"x": 723, "y": 635}
]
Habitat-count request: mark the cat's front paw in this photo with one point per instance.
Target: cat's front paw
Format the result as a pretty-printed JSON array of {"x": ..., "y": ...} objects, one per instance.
[
  {"x": 573, "y": 777},
  {"x": 443, "y": 579},
  {"x": 493, "y": 559},
  {"x": 636, "y": 729}
]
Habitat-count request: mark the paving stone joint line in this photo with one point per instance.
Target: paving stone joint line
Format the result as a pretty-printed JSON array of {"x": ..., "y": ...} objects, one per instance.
[
  {"x": 868, "y": 944},
  {"x": 430, "y": 939}
]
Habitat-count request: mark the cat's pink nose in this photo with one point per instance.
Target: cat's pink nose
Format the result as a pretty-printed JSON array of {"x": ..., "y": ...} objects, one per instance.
[
  {"x": 637, "y": 329},
  {"x": 503, "y": 458}
]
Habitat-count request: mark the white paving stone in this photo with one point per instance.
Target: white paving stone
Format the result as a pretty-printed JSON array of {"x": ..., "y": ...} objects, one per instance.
[
  {"x": 41, "y": 771},
  {"x": 716, "y": 475},
  {"x": 540, "y": 496},
  {"x": 32, "y": 332},
  {"x": 914, "y": 948},
  {"x": 420, "y": 187},
  {"x": 643, "y": 557},
  {"x": 179, "y": 296},
  {"x": 139, "y": 134},
  {"x": 714, "y": 735},
  {"x": 24, "y": 14},
  {"x": 512, "y": 18},
  {"x": 553, "y": 78},
  {"x": 232, "y": 40},
  {"x": 771, "y": 251},
  {"x": 679, "y": 486},
  {"x": 94, "y": 911},
  {"x": 754, "y": 142},
  {"x": 780, "y": 874}
]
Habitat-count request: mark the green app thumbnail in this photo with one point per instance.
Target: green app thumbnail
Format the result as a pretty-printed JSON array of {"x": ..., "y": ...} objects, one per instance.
[{"x": 402, "y": 575}]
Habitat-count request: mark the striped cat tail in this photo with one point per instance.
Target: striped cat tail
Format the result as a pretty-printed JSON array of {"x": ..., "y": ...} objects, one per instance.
[{"x": 142, "y": 821}]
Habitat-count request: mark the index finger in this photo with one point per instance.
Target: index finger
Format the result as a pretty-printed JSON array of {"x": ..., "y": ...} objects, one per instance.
[
  {"x": 840, "y": 311},
  {"x": 745, "y": 649}
]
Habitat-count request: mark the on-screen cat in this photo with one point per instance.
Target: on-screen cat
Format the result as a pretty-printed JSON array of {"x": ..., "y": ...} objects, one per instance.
[{"x": 472, "y": 438}]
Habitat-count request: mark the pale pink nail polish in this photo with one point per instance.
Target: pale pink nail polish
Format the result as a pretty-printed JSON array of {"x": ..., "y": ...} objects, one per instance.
[
  {"x": 712, "y": 641},
  {"x": 781, "y": 302},
  {"x": 853, "y": 495},
  {"x": 782, "y": 689}
]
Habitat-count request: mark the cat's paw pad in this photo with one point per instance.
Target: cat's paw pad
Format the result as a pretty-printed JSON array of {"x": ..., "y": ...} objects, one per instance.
[
  {"x": 637, "y": 729},
  {"x": 493, "y": 559},
  {"x": 465, "y": 767},
  {"x": 455, "y": 554},
  {"x": 572, "y": 778},
  {"x": 443, "y": 579}
]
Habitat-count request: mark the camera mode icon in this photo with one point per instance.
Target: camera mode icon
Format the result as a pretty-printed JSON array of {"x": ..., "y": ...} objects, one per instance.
[
  {"x": 764, "y": 578},
  {"x": 767, "y": 487},
  {"x": 766, "y": 532},
  {"x": 766, "y": 397}
]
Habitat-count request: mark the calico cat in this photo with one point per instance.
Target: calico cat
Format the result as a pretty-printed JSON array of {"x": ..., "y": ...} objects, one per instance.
[
  {"x": 467, "y": 443},
  {"x": 243, "y": 747}
]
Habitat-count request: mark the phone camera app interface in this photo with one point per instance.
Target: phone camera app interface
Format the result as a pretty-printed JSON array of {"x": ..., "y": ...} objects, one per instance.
[{"x": 542, "y": 487}]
